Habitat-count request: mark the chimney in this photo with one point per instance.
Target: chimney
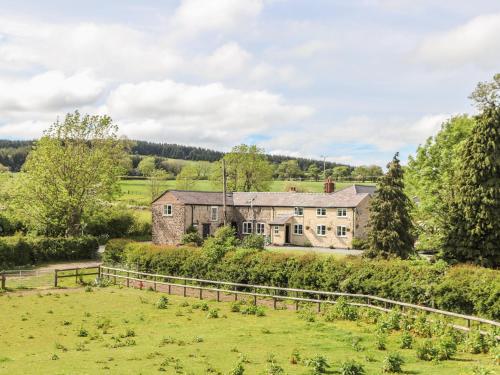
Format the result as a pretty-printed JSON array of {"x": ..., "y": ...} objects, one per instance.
[{"x": 329, "y": 186}]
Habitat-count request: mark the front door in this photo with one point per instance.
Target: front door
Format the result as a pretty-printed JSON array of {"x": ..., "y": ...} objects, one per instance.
[
  {"x": 287, "y": 233},
  {"x": 206, "y": 230}
]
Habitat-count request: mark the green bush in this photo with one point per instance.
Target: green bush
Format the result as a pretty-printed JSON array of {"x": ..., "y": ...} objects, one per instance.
[
  {"x": 463, "y": 289},
  {"x": 351, "y": 368},
  {"x": 359, "y": 244},
  {"x": 20, "y": 250},
  {"x": 393, "y": 363},
  {"x": 111, "y": 221},
  {"x": 318, "y": 364},
  {"x": 113, "y": 253},
  {"x": 192, "y": 237},
  {"x": 253, "y": 241}
]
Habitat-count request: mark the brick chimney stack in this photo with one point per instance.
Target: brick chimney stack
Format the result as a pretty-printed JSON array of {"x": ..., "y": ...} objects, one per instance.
[{"x": 329, "y": 186}]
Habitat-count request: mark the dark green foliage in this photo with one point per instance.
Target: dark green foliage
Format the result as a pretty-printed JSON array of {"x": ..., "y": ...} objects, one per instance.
[
  {"x": 351, "y": 368},
  {"x": 253, "y": 241},
  {"x": 224, "y": 240},
  {"x": 318, "y": 364},
  {"x": 464, "y": 289},
  {"x": 473, "y": 228},
  {"x": 359, "y": 244},
  {"x": 110, "y": 221},
  {"x": 192, "y": 237},
  {"x": 393, "y": 363},
  {"x": 406, "y": 340},
  {"x": 19, "y": 251},
  {"x": 114, "y": 251},
  {"x": 390, "y": 226}
]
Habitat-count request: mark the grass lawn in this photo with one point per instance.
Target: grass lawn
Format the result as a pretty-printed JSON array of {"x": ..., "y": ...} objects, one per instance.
[
  {"x": 120, "y": 331},
  {"x": 136, "y": 192}
]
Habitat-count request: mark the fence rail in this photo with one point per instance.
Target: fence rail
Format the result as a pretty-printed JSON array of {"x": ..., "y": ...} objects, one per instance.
[
  {"x": 78, "y": 273},
  {"x": 283, "y": 294}
]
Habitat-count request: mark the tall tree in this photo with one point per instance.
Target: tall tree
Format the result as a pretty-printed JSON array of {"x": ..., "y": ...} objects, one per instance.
[
  {"x": 340, "y": 172},
  {"x": 390, "y": 226},
  {"x": 313, "y": 172},
  {"x": 473, "y": 228},
  {"x": 288, "y": 169},
  {"x": 429, "y": 177},
  {"x": 247, "y": 169},
  {"x": 72, "y": 169}
]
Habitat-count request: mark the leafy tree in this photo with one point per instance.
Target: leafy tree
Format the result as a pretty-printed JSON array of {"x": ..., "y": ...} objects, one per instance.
[
  {"x": 390, "y": 223},
  {"x": 429, "y": 179},
  {"x": 374, "y": 171},
  {"x": 71, "y": 170},
  {"x": 361, "y": 173},
  {"x": 340, "y": 172},
  {"x": 147, "y": 166},
  {"x": 187, "y": 176},
  {"x": 313, "y": 172},
  {"x": 247, "y": 169},
  {"x": 289, "y": 169},
  {"x": 473, "y": 226}
]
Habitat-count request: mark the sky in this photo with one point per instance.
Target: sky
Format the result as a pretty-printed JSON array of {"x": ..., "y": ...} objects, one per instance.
[{"x": 351, "y": 80}]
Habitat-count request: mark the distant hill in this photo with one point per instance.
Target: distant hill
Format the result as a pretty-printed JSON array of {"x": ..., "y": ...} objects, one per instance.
[{"x": 13, "y": 153}]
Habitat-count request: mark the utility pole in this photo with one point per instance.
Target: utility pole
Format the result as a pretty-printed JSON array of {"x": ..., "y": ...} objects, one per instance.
[
  {"x": 224, "y": 188},
  {"x": 324, "y": 166}
]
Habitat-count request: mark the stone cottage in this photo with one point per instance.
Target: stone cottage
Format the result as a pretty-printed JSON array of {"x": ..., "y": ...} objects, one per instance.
[{"x": 330, "y": 219}]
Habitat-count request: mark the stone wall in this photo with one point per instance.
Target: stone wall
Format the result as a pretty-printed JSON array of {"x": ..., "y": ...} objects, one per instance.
[{"x": 168, "y": 230}]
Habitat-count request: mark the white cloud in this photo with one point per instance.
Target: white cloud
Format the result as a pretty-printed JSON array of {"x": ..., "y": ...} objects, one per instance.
[
  {"x": 226, "y": 61},
  {"x": 311, "y": 48},
  {"x": 198, "y": 114},
  {"x": 49, "y": 91},
  {"x": 195, "y": 16},
  {"x": 111, "y": 51},
  {"x": 477, "y": 42}
]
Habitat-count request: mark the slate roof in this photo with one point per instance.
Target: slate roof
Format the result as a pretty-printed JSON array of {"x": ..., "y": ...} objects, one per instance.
[{"x": 348, "y": 197}]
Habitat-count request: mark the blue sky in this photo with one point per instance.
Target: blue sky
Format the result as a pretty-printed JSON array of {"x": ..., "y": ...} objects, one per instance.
[{"x": 354, "y": 80}]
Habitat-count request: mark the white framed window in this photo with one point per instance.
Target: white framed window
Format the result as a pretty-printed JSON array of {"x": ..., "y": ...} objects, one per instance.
[
  {"x": 276, "y": 229},
  {"x": 259, "y": 228},
  {"x": 298, "y": 229},
  {"x": 298, "y": 211},
  {"x": 341, "y": 212},
  {"x": 214, "y": 213},
  {"x": 247, "y": 227},
  {"x": 321, "y": 230},
  {"x": 167, "y": 210},
  {"x": 320, "y": 211},
  {"x": 341, "y": 231}
]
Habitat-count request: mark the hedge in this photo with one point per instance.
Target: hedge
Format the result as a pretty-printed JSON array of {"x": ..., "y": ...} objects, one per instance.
[
  {"x": 460, "y": 288},
  {"x": 19, "y": 250}
]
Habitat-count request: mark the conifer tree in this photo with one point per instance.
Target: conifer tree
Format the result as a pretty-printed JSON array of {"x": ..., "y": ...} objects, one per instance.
[
  {"x": 473, "y": 228},
  {"x": 390, "y": 223}
]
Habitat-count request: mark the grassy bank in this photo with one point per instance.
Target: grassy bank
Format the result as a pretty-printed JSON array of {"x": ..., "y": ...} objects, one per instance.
[{"x": 121, "y": 331}]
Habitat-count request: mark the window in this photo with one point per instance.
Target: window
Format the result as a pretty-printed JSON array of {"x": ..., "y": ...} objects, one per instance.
[
  {"x": 320, "y": 211},
  {"x": 341, "y": 212},
  {"x": 167, "y": 210},
  {"x": 341, "y": 231},
  {"x": 247, "y": 227},
  {"x": 276, "y": 229},
  {"x": 299, "y": 211},
  {"x": 214, "y": 213},
  {"x": 321, "y": 230},
  {"x": 298, "y": 229},
  {"x": 259, "y": 228}
]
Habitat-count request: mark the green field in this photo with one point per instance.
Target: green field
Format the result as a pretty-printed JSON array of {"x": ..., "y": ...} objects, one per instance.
[
  {"x": 120, "y": 331},
  {"x": 137, "y": 192}
]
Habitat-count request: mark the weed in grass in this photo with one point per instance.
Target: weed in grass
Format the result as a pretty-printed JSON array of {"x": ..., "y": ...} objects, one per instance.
[
  {"x": 480, "y": 370},
  {"x": 274, "y": 369},
  {"x": 82, "y": 332},
  {"x": 445, "y": 348},
  {"x": 184, "y": 304},
  {"x": 406, "y": 340},
  {"x": 54, "y": 357},
  {"x": 307, "y": 315},
  {"x": 236, "y": 306},
  {"x": 4, "y": 359},
  {"x": 198, "y": 339},
  {"x": 351, "y": 368},
  {"x": 295, "y": 357},
  {"x": 104, "y": 324},
  {"x": 80, "y": 347},
  {"x": 476, "y": 343},
  {"x": 128, "y": 333},
  {"x": 265, "y": 331},
  {"x": 66, "y": 323},
  {"x": 89, "y": 289},
  {"x": 213, "y": 314},
  {"x": 162, "y": 302},
  {"x": 167, "y": 341},
  {"x": 234, "y": 350},
  {"x": 341, "y": 310},
  {"x": 356, "y": 344},
  {"x": 318, "y": 364},
  {"x": 381, "y": 340},
  {"x": 239, "y": 369},
  {"x": 59, "y": 346},
  {"x": 426, "y": 351},
  {"x": 422, "y": 327},
  {"x": 393, "y": 363}
]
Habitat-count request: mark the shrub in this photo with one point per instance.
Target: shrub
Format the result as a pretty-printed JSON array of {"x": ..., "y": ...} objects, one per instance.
[
  {"x": 406, "y": 340},
  {"x": 359, "y": 244},
  {"x": 113, "y": 252},
  {"x": 238, "y": 370},
  {"x": 318, "y": 364},
  {"x": 113, "y": 221},
  {"x": 295, "y": 357},
  {"x": 393, "y": 363},
  {"x": 381, "y": 340},
  {"x": 253, "y": 241},
  {"x": 19, "y": 250},
  {"x": 192, "y": 237},
  {"x": 341, "y": 310},
  {"x": 351, "y": 368},
  {"x": 213, "y": 313},
  {"x": 475, "y": 342},
  {"x": 426, "y": 351},
  {"x": 465, "y": 289},
  {"x": 162, "y": 302},
  {"x": 445, "y": 348}
]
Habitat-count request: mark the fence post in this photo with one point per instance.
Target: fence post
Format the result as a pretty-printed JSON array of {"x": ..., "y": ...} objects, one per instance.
[
  {"x": 296, "y": 305},
  {"x": 55, "y": 278},
  {"x": 274, "y": 303},
  {"x": 154, "y": 283},
  {"x": 114, "y": 279},
  {"x": 99, "y": 272},
  {"x": 3, "y": 280},
  {"x": 128, "y": 279},
  {"x": 218, "y": 296},
  {"x": 76, "y": 275},
  {"x": 184, "y": 292},
  {"x": 255, "y": 300},
  {"x": 201, "y": 293},
  {"x": 319, "y": 307}
]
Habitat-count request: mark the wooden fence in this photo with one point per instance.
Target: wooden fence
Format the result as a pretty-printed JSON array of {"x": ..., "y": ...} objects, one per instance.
[
  {"x": 275, "y": 294},
  {"x": 78, "y": 273}
]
